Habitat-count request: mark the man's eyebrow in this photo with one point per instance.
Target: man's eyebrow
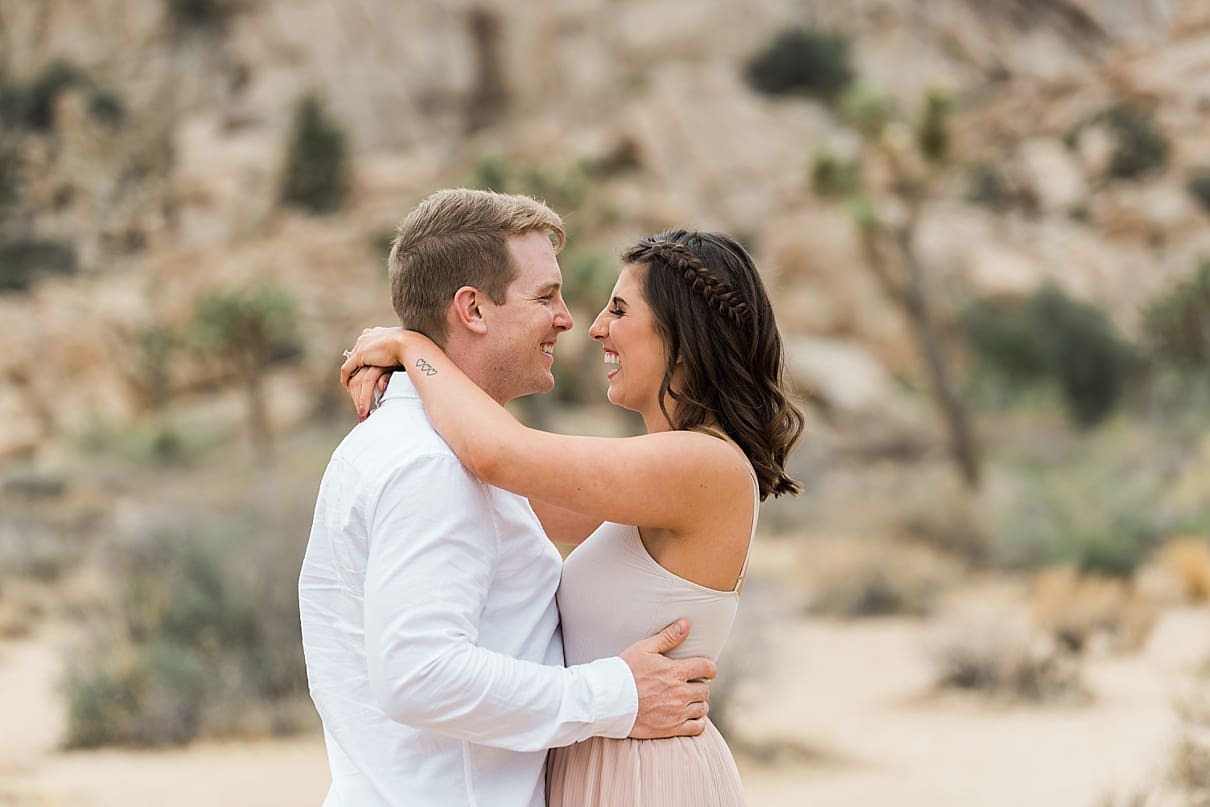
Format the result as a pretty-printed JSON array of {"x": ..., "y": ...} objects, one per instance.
[{"x": 548, "y": 289}]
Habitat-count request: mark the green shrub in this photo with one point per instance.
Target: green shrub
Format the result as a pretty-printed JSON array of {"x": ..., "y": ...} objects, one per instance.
[
  {"x": 1139, "y": 148},
  {"x": 102, "y": 705},
  {"x": 32, "y": 549},
  {"x": 832, "y": 177},
  {"x": 1093, "y": 508},
  {"x": 10, "y": 174},
  {"x": 1198, "y": 186},
  {"x": 156, "y": 443},
  {"x": 317, "y": 167},
  {"x": 562, "y": 185},
  {"x": 932, "y": 131},
  {"x": 986, "y": 186},
  {"x": 866, "y": 110},
  {"x": 1052, "y": 338},
  {"x": 588, "y": 278},
  {"x": 200, "y": 13},
  {"x": 802, "y": 61},
  {"x": 1092, "y": 361},
  {"x": 203, "y": 635},
  {"x": 1177, "y": 323},
  {"x": 14, "y": 103},
  {"x": 32, "y": 105},
  {"x": 25, "y": 260}
]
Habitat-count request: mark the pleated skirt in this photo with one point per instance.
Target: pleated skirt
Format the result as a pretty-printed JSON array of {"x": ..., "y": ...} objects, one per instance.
[{"x": 675, "y": 772}]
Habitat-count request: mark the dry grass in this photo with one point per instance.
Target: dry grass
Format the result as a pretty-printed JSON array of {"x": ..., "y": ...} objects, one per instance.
[
  {"x": 873, "y": 577},
  {"x": 1190, "y": 771},
  {"x": 1091, "y": 610},
  {"x": 1001, "y": 656},
  {"x": 1186, "y": 560},
  {"x": 22, "y": 606}
]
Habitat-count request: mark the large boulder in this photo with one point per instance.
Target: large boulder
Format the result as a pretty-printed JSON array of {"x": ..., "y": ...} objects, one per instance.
[
  {"x": 841, "y": 375},
  {"x": 225, "y": 181}
]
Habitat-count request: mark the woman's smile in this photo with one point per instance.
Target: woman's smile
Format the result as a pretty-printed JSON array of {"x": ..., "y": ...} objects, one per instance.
[{"x": 612, "y": 358}]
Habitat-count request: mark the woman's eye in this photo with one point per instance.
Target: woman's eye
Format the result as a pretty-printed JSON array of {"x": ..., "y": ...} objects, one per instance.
[{"x": 617, "y": 312}]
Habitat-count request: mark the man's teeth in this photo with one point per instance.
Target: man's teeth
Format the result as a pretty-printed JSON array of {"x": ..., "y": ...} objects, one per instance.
[
  {"x": 549, "y": 350},
  {"x": 611, "y": 358}
]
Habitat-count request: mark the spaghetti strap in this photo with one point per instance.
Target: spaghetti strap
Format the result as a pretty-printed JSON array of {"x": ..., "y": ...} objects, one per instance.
[{"x": 743, "y": 571}]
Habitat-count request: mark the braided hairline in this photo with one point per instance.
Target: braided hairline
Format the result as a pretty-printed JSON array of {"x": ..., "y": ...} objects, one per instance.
[{"x": 701, "y": 280}]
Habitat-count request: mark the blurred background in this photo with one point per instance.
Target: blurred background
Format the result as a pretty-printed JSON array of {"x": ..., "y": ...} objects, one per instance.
[{"x": 984, "y": 227}]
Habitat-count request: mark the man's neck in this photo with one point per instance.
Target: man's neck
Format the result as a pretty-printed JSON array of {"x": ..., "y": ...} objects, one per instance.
[{"x": 471, "y": 362}]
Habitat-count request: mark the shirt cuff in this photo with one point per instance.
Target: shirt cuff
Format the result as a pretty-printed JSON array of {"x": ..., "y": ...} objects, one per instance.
[{"x": 617, "y": 696}]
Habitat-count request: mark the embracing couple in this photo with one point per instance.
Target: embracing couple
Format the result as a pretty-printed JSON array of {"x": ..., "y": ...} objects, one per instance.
[{"x": 448, "y": 647}]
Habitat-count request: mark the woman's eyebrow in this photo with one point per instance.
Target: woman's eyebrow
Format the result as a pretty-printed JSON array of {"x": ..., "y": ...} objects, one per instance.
[{"x": 618, "y": 301}]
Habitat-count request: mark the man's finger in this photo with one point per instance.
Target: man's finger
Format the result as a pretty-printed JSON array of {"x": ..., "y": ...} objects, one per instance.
[
  {"x": 668, "y": 638},
  {"x": 699, "y": 692},
  {"x": 697, "y": 668},
  {"x": 691, "y": 728}
]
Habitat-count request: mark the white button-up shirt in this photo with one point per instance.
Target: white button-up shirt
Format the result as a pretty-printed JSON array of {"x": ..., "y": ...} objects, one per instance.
[{"x": 431, "y": 632}]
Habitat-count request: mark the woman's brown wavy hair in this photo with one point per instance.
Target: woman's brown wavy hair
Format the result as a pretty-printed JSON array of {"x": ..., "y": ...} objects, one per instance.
[{"x": 714, "y": 316}]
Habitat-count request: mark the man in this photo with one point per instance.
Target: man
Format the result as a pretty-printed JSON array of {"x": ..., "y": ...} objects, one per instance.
[{"x": 427, "y": 598}]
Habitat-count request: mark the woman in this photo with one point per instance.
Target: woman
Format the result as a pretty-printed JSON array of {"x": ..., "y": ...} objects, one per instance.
[{"x": 664, "y": 521}]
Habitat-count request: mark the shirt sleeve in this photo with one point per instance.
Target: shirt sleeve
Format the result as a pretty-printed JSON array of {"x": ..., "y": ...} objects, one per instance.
[{"x": 433, "y": 552}]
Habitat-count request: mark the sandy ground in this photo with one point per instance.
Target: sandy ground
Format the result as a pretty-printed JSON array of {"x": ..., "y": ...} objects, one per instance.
[
  {"x": 854, "y": 694},
  {"x": 857, "y": 694}
]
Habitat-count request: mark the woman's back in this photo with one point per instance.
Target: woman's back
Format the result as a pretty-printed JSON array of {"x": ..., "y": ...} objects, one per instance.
[{"x": 613, "y": 591}]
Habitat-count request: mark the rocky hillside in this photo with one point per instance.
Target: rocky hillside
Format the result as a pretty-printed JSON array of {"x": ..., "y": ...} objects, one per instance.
[{"x": 159, "y": 166}]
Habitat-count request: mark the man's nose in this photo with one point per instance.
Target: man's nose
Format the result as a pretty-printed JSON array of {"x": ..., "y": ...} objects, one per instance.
[{"x": 563, "y": 319}]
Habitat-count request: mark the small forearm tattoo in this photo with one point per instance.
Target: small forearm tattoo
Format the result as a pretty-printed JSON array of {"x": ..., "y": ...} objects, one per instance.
[{"x": 425, "y": 367}]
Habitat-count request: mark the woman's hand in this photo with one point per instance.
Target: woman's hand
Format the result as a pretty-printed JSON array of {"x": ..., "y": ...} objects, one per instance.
[
  {"x": 365, "y": 387},
  {"x": 368, "y": 366}
]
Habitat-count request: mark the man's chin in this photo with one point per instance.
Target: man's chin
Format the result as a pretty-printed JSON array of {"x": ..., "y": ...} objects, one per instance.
[{"x": 539, "y": 387}]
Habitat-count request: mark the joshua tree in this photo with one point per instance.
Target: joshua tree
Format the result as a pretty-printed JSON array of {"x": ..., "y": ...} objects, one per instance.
[
  {"x": 910, "y": 157},
  {"x": 246, "y": 331},
  {"x": 885, "y": 186}
]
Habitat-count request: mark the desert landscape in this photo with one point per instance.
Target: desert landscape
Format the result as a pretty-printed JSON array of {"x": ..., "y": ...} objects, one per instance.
[{"x": 983, "y": 224}]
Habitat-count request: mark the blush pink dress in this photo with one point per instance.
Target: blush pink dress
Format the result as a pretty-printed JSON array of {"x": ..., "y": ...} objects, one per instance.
[{"x": 613, "y": 593}]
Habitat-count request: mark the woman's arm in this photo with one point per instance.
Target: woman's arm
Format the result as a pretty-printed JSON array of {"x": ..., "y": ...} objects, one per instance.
[
  {"x": 564, "y": 526},
  {"x": 674, "y": 479}
]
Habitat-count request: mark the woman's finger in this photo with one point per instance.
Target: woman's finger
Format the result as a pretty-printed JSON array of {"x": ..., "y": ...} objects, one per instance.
[{"x": 369, "y": 382}]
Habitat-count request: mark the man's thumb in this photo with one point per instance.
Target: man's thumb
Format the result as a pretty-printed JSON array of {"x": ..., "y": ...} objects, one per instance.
[{"x": 670, "y": 636}]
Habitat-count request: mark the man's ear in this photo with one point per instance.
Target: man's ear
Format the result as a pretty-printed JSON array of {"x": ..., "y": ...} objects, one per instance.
[{"x": 466, "y": 310}]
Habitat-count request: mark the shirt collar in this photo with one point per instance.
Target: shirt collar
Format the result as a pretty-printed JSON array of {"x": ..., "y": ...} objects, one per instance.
[{"x": 400, "y": 386}]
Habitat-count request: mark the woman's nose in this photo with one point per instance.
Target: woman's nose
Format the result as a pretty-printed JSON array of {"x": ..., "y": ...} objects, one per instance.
[{"x": 598, "y": 329}]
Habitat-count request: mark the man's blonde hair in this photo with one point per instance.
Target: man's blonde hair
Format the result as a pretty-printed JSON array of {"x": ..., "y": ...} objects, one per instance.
[{"x": 457, "y": 238}]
